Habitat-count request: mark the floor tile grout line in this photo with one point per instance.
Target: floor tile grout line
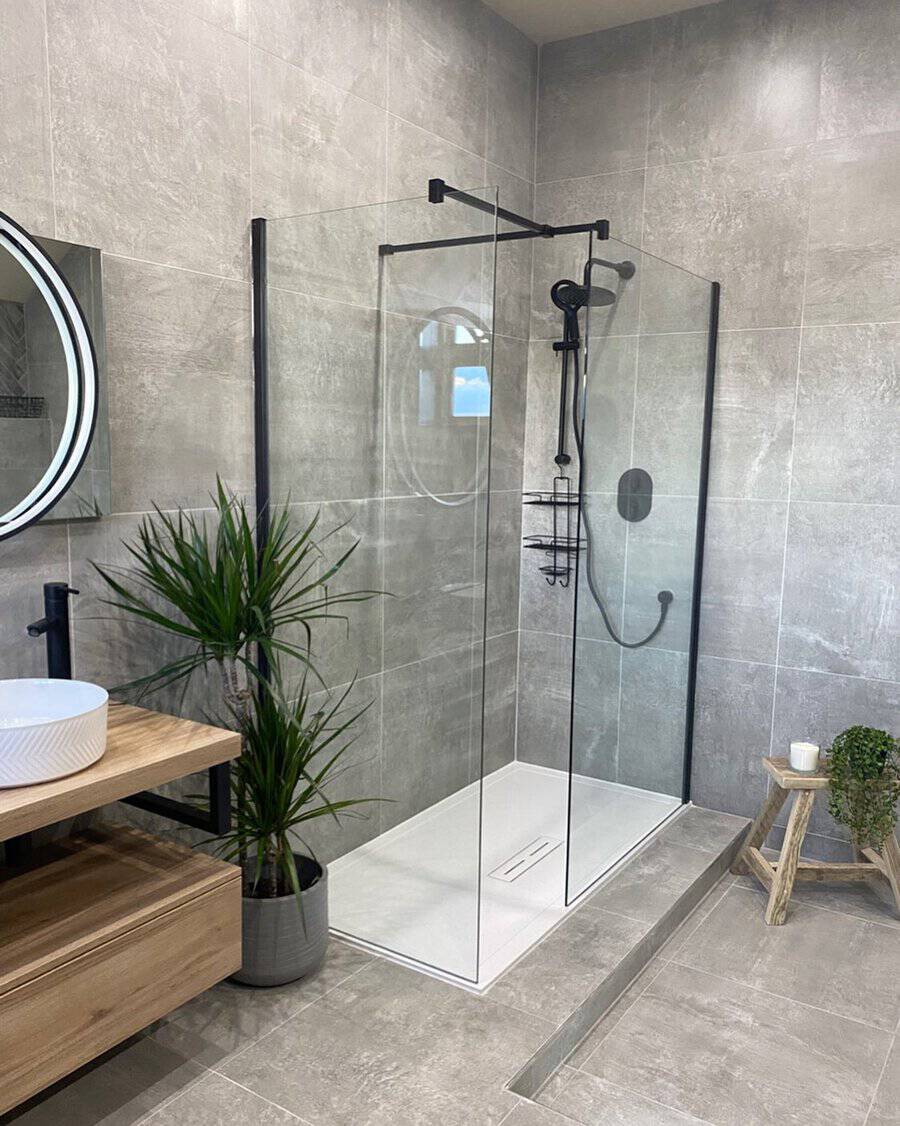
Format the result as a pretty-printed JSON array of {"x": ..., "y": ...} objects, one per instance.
[
  {"x": 169, "y": 1099},
  {"x": 780, "y": 996},
  {"x": 880, "y": 1079},
  {"x": 265, "y": 1099},
  {"x": 641, "y": 1095},
  {"x": 754, "y": 890},
  {"x": 302, "y": 1009}
]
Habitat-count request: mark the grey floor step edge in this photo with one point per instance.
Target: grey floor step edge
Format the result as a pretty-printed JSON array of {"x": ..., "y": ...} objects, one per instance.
[{"x": 556, "y": 1050}]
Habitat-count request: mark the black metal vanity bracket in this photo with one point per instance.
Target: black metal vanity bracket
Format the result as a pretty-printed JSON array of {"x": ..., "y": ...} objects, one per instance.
[{"x": 216, "y": 820}]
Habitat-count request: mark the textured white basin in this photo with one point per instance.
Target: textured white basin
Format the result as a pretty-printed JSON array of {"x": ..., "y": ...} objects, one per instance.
[{"x": 49, "y": 728}]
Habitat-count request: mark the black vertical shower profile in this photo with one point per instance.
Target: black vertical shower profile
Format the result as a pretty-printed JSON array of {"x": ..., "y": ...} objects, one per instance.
[
  {"x": 700, "y": 536},
  {"x": 260, "y": 399}
]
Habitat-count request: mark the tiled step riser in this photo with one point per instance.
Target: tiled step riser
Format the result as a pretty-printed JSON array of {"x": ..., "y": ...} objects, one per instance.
[{"x": 554, "y": 1051}]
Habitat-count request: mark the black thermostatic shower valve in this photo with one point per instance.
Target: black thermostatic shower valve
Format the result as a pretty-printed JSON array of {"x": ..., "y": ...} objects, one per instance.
[{"x": 635, "y": 495}]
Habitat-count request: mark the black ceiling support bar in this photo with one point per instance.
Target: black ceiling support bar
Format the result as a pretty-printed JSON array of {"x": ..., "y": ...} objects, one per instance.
[
  {"x": 473, "y": 240},
  {"x": 438, "y": 192}
]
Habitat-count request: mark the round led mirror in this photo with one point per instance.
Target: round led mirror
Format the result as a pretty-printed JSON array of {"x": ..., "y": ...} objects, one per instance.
[{"x": 33, "y": 291}]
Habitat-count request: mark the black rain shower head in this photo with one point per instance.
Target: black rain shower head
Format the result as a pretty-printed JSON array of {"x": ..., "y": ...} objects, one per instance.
[{"x": 570, "y": 296}]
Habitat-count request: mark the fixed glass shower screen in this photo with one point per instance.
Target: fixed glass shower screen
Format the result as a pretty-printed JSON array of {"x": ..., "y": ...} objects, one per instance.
[{"x": 379, "y": 406}]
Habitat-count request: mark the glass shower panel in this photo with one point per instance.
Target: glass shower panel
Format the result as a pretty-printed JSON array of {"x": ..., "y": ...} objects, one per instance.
[
  {"x": 380, "y": 354},
  {"x": 642, "y": 415}
]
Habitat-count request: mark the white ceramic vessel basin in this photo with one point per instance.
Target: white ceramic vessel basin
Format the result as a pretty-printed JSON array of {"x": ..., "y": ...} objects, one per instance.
[{"x": 49, "y": 728}]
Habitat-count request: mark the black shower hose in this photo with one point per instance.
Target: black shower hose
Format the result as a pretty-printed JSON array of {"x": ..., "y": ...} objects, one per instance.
[{"x": 665, "y": 597}]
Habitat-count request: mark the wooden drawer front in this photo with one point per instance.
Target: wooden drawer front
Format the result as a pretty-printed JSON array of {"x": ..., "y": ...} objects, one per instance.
[{"x": 62, "y": 1019}]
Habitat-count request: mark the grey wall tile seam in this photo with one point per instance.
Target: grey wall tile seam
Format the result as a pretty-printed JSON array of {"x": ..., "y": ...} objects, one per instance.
[
  {"x": 50, "y": 118},
  {"x": 787, "y": 523},
  {"x": 779, "y": 996},
  {"x": 731, "y": 155},
  {"x": 238, "y": 279}
]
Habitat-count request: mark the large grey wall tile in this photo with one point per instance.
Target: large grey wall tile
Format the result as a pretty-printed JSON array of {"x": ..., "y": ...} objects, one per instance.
[
  {"x": 345, "y": 43},
  {"x": 659, "y": 553},
  {"x": 137, "y": 192},
  {"x": 734, "y": 942},
  {"x": 415, "y": 154},
  {"x": 438, "y": 63},
  {"x": 739, "y": 220},
  {"x": 501, "y": 664},
  {"x": 504, "y": 551},
  {"x": 668, "y": 411},
  {"x": 349, "y": 645},
  {"x": 435, "y": 600},
  {"x": 229, "y": 15},
  {"x": 180, "y": 395},
  {"x": 512, "y": 297},
  {"x": 730, "y": 78},
  {"x": 592, "y": 105},
  {"x": 324, "y": 364},
  {"x": 315, "y": 147},
  {"x": 358, "y": 773},
  {"x": 753, "y": 414},
  {"x": 860, "y": 70},
  {"x": 511, "y": 87},
  {"x": 616, "y": 197},
  {"x": 854, "y": 232},
  {"x": 742, "y": 564},
  {"x": 26, "y": 174},
  {"x": 732, "y": 731},
  {"x": 113, "y": 648},
  {"x": 815, "y": 707},
  {"x": 36, "y": 556},
  {"x": 542, "y": 419},
  {"x": 848, "y": 405},
  {"x": 426, "y": 734},
  {"x": 509, "y": 375},
  {"x": 545, "y": 693},
  {"x": 595, "y": 709},
  {"x": 666, "y": 1043},
  {"x": 840, "y": 611},
  {"x": 651, "y": 720}
]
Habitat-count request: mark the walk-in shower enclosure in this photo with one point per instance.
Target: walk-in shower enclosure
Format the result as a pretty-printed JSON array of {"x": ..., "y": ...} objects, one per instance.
[{"x": 529, "y": 670}]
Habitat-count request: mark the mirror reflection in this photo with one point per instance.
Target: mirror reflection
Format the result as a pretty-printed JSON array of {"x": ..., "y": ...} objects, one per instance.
[{"x": 34, "y": 384}]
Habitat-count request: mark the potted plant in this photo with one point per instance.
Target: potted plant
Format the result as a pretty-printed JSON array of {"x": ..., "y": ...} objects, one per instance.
[
  {"x": 204, "y": 582},
  {"x": 864, "y": 784},
  {"x": 278, "y": 784}
]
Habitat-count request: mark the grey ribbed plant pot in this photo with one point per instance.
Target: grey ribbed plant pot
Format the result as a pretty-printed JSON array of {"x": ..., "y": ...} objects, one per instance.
[{"x": 280, "y": 945}]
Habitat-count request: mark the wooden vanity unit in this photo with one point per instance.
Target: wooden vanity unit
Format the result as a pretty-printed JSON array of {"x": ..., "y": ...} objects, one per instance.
[{"x": 110, "y": 929}]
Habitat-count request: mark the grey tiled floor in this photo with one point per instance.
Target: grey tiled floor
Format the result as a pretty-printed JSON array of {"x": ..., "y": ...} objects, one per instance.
[
  {"x": 738, "y": 1023},
  {"x": 731, "y": 1023}
]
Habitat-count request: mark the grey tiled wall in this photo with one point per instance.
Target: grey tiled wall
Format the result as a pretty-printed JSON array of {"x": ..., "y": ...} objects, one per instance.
[
  {"x": 756, "y": 142},
  {"x": 155, "y": 131}
]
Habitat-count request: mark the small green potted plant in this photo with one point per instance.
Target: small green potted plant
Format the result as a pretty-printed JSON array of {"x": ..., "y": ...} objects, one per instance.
[
  {"x": 291, "y": 754},
  {"x": 864, "y": 784},
  {"x": 204, "y": 583}
]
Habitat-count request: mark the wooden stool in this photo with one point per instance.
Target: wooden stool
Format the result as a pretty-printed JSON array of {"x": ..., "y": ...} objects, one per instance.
[{"x": 779, "y": 878}]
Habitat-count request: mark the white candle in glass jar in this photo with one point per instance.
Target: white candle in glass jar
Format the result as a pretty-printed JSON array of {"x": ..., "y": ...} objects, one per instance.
[{"x": 804, "y": 757}]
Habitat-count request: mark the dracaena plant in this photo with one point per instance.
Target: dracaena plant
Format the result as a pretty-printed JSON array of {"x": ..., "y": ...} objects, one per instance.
[
  {"x": 200, "y": 579},
  {"x": 292, "y": 753}
]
